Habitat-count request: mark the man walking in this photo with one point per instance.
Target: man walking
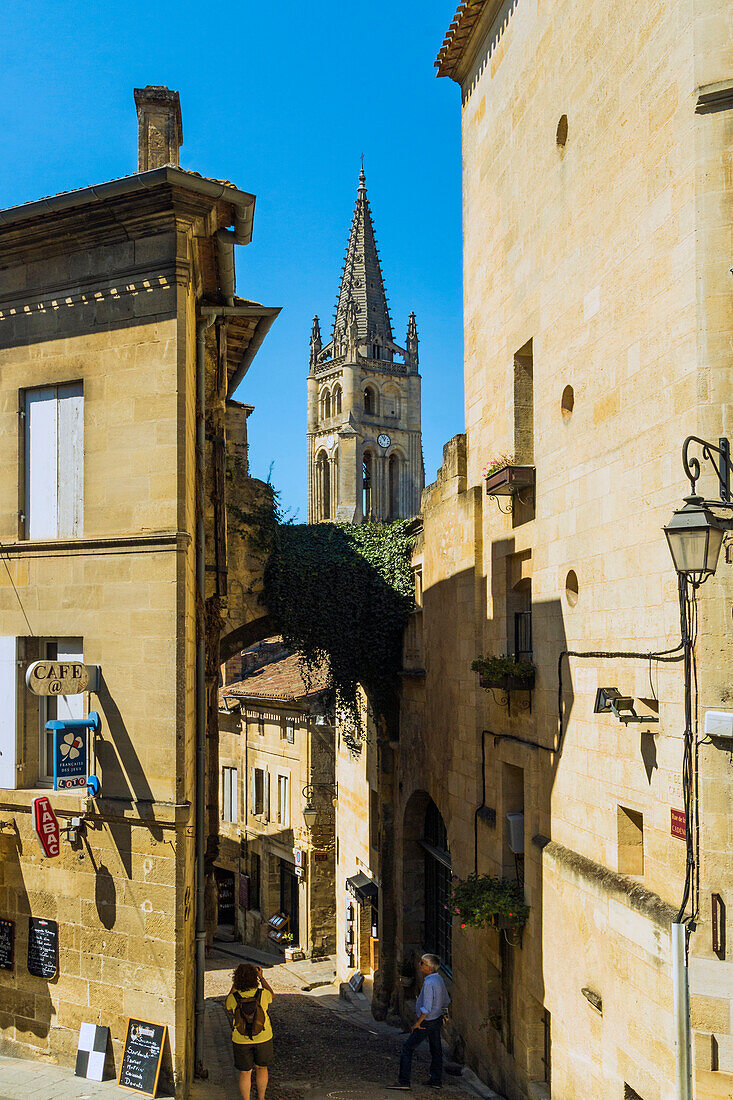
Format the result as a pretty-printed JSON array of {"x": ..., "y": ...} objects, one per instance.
[{"x": 431, "y": 1005}]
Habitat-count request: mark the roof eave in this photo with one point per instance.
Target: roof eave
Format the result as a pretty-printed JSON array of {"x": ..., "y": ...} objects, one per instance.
[
  {"x": 452, "y": 53},
  {"x": 140, "y": 182}
]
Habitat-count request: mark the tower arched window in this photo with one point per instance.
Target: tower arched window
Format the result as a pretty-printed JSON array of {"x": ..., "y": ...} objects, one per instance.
[
  {"x": 337, "y": 401},
  {"x": 370, "y": 401},
  {"x": 393, "y": 482},
  {"x": 367, "y": 478},
  {"x": 327, "y": 405},
  {"x": 437, "y": 866},
  {"x": 323, "y": 486}
]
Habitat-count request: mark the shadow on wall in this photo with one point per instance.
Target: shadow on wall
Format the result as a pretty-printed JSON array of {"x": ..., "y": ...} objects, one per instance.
[
  {"x": 122, "y": 774},
  {"x": 25, "y": 1000},
  {"x": 447, "y": 726}
]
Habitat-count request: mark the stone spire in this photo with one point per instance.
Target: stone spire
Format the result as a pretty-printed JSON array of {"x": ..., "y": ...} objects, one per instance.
[
  {"x": 315, "y": 342},
  {"x": 361, "y": 282},
  {"x": 411, "y": 342}
]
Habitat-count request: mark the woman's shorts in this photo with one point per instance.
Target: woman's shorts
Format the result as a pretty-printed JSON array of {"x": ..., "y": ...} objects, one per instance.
[{"x": 247, "y": 1055}]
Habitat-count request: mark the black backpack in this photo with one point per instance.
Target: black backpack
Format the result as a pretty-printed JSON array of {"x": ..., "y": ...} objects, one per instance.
[{"x": 249, "y": 1015}]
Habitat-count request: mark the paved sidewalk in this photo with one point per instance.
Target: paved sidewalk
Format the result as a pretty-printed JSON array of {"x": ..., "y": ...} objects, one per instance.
[{"x": 327, "y": 1048}]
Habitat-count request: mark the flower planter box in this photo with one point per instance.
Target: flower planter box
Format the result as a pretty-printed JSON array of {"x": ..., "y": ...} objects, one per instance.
[
  {"x": 508, "y": 683},
  {"x": 293, "y": 954},
  {"x": 509, "y": 479}
]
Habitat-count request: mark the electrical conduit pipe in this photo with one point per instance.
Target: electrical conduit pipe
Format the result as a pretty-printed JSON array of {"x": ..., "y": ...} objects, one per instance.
[{"x": 681, "y": 1012}]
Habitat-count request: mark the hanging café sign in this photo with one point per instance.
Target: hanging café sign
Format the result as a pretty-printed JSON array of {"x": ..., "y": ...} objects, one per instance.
[{"x": 59, "y": 677}]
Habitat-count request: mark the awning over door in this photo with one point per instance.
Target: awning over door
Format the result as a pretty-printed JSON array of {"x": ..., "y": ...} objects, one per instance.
[{"x": 364, "y": 889}]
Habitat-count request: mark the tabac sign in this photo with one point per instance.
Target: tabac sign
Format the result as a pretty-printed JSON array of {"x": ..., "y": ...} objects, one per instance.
[
  {"x": 58, "y": 677},
  {"x": 46, "y": 826}
]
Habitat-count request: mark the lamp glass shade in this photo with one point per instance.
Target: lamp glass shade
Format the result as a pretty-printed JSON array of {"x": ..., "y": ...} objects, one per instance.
[
  {"x": 695, "y": 538},
  {"x": 310, "y": 813}
]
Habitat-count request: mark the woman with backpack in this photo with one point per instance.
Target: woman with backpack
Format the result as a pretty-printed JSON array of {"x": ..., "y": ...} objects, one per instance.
[{"x": 247, "y": 1004}]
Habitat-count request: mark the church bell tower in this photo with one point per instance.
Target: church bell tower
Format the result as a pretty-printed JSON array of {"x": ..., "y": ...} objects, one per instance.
[{"x": 364, "y": 432}]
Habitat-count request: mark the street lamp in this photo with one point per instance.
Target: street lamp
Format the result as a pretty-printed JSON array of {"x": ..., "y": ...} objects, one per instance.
[
  {"x": 695, "y": 532},
  {"x": 695, "y": 536},
  {"x": 310, "y": 813}
]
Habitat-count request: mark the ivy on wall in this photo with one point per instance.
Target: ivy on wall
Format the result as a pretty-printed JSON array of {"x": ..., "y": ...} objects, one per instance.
[{"x": 340, "y": 595}]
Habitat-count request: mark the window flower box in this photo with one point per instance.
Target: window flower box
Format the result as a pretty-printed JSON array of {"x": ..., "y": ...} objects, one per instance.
[
  {"x": 504, "y": 673},
  {"x": 509, "y": 479}
]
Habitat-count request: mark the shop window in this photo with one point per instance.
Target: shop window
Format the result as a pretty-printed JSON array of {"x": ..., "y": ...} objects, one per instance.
[
  {"x": 53, "y": 468},
  {"x": 229, "y": 794},
  {"x": 437, "y": 870},
  {"x": 630, "y": 842}
]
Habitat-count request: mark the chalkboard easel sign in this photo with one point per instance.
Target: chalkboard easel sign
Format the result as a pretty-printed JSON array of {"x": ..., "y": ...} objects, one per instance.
[
  {"x": 7, "y": 944},
  {"x": 43, "y": 947},
  {"x": 141, "y": 1057}
]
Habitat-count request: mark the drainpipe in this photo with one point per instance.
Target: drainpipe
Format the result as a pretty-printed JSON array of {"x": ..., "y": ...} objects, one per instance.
[
  {"x": 201, "y": 329},
  {"x": 225, "y": 242},
  {"x": 681, "y": 1010}
]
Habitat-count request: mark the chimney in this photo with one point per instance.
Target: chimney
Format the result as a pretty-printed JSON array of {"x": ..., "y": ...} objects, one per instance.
[{"x": 159, "y": 127}]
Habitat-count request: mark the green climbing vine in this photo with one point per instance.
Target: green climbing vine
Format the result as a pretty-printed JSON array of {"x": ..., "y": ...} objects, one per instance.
[{"x": 341, "y": 595}]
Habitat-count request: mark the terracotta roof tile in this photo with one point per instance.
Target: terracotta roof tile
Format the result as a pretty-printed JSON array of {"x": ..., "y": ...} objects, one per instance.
[
  {"x": 457, "y": 36},
  {"x": 277, "y": 680}
]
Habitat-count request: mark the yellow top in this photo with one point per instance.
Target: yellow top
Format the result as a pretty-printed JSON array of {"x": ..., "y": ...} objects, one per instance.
[{"x": 265, "y": 1001}]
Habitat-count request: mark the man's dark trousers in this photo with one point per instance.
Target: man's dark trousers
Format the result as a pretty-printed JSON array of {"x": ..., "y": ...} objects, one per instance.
[{"x": 430, "y": 1030}]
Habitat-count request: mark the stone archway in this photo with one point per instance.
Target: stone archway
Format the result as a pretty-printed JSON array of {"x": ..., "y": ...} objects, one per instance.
[{"x": 426, "y": 874}]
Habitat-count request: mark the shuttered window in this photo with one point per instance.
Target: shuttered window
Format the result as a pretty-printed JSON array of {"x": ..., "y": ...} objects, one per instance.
[
  {"x": 54, "y": 461},
  {"x": 229, "y": 794},
  {"x": 260, "y": 792},
  {"x": 283, "y": 801},
  {"x": 8, "y": 712}
]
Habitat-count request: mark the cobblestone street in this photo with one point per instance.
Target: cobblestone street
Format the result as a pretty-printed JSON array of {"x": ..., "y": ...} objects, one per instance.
[{"x": 325, "y": 1047}]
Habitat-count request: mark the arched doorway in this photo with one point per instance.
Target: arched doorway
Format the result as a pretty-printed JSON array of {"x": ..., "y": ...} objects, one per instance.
[{"x": 426, "y": 880}]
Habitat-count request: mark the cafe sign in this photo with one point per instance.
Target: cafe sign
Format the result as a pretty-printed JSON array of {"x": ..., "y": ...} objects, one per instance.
[{"x": 57, "y": 677}]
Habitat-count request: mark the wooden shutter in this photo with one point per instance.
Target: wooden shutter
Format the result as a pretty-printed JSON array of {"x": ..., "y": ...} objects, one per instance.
[
  {"x": 70, "y": 460},
  {"x": 253, "y": 792},
  {"x": 41, "y": 508},
  {"x": 230, "y": 794},
  {"x": 266, "y": 807},
  {"x": 8, "y": 712}
]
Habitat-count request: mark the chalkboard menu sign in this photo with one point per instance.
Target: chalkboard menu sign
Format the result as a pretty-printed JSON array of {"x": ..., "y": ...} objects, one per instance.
[
  {"x": 7, "y": 944},
  {"x": 43, "y": 947},
  {"x": 141, "y": 1057}
]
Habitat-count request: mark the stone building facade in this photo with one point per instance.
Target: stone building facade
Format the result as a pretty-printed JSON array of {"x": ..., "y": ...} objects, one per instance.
[
  {"x": 117, "y": 303},
  {"x": 364, "y": 421},
  {"x": 277, "y": 758},
  {"x": 598, "y": 209},
  {"x": 358, "y": 843}
]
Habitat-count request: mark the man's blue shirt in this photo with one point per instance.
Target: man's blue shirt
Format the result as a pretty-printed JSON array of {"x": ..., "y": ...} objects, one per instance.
[{"x": 433, "y": 999}]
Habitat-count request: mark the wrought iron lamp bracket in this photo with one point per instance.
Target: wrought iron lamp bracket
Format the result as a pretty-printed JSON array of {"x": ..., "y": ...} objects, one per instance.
[{"x": 722, "y": 465}]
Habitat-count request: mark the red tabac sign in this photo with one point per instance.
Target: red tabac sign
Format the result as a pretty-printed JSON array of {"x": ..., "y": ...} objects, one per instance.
[
  {"x": 46, "y": 825},
  {"x": 678, "y": 824}
]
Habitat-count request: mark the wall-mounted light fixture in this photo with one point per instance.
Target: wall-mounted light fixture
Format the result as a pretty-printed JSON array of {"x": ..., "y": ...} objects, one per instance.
[
  {"x": 611, "y": 701},
  {"x": 310, "y": 810},
  {"x": 695, "y": 532}
]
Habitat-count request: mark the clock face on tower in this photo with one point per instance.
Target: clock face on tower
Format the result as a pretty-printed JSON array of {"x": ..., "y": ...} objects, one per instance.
[{"x": 383, "y": 440}]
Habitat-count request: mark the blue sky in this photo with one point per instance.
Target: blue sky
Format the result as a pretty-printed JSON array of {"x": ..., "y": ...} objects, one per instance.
[{"x": 281, "y": 101}]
